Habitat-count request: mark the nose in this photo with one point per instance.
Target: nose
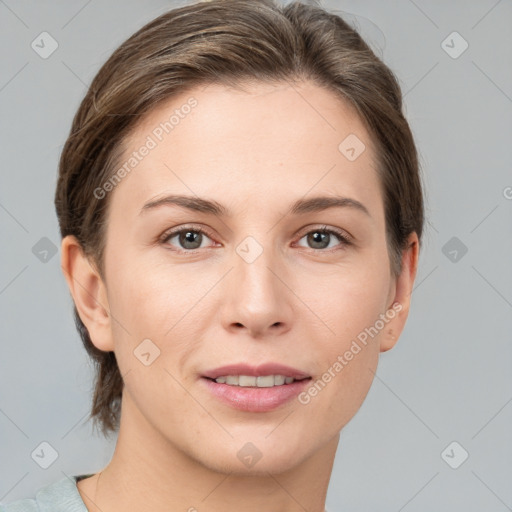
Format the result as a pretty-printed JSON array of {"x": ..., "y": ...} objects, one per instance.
[{"x": 256, "y": 297}]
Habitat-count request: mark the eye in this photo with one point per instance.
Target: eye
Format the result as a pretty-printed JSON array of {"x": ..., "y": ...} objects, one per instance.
[
  {"x": 188, "y": 238},
  {"x": 321, "y": 238}
]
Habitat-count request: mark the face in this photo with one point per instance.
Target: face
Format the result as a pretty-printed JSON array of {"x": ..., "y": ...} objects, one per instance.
[{"x": 262, "y": 274}]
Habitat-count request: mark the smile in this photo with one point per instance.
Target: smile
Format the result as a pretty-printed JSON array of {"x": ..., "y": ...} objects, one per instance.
[{"x": 263, "y": 381}]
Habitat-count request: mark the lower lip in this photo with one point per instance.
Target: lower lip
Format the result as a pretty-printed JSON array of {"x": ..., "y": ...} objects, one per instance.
[{"x": 252, "y": 399}]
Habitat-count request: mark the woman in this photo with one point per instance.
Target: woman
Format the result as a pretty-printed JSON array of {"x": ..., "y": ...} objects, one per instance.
[{"x": 241, "y": 211}]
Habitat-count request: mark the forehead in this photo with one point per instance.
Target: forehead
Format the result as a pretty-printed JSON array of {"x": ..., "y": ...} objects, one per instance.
[{"x": 265, "y": 142}]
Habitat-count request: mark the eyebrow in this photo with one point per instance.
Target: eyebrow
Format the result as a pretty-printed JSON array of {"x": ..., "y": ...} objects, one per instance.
[{"x": 300, "y": 207}]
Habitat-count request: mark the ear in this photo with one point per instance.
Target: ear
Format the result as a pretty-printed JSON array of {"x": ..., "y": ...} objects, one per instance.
[
  {"x": 89, "y": 293},
  {"x": 400, "y": 295}
]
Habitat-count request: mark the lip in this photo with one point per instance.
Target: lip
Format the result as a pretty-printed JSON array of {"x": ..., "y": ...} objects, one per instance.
[
  {"x": 253, "y": 399},
  {"x": 256, "y": 371}
]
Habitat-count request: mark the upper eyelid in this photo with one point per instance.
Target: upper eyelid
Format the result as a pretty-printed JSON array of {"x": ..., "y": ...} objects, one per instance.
[
  {"x": 173, "y": 232},
  {"x": 305, "y": 230},
  {"x": 323, "y": 227}
]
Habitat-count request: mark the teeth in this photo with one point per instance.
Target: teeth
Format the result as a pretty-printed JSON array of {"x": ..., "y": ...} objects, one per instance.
[
  {"x": 232, "y": 379},
  {"x": 266, "y": 381},
  {"x": 246, "y": 380},
  {"x": 280, "y": 379}
]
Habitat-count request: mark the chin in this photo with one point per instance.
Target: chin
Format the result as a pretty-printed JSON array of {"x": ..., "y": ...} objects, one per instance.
[
  {"x": 253, "y": 458},
  {"x": 262, "y": 467}
]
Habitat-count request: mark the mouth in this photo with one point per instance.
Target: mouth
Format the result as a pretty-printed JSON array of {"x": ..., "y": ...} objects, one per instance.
[
  {"x": 243, "y": 373},
  {"x": 255, "y": 389},
  {"x": 250, "y": 381}
]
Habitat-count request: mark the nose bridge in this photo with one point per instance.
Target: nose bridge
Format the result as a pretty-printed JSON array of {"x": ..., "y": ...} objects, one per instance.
[
  {"x": 252, "y": 263},
  {"x": 258, "y": 299}
]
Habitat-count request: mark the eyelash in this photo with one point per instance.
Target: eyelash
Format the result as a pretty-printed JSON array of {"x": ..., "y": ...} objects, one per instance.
[{"x": 345, "y": 240}]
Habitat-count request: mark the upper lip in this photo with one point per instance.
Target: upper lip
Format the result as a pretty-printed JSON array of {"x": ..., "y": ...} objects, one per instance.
[{"x": 256, "y": 371}]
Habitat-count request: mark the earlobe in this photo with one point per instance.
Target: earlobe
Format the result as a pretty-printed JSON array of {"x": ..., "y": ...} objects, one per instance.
[
  {"x": 89, "y": 293},
  {"x": 399, "y": 310}
]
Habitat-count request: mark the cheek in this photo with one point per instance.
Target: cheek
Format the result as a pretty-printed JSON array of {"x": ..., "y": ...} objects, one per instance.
[
  {"x": 350, "y": 304},
  {"x": 153, "y": 302},
  {"x": 337, "y": 394},
  {"x": 153, "y": 297},
  {"x": 348, "y": 362},
  {"x": 347, "y": 301},
  {"x": 152, "y": 337}
]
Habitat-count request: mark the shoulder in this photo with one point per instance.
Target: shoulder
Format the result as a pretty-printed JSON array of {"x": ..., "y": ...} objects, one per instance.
[
  {"x": 59, "y": 496},
  {"x": 25, "y": 505}
]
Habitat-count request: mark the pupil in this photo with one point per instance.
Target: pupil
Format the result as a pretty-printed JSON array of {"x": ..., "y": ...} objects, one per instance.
[
  {"x": 189, "y": 237},
  {"x": 318, "y": 239}
]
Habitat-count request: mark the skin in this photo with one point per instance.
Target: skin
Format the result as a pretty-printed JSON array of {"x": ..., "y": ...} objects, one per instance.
[{"x": 255, "y": 151}]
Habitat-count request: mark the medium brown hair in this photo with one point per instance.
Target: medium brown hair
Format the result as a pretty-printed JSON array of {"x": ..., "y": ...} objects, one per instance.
[{"x": 226, "y": 42}]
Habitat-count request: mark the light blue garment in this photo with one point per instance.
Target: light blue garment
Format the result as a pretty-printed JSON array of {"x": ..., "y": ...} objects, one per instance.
[{"x": 60, "y": 496}]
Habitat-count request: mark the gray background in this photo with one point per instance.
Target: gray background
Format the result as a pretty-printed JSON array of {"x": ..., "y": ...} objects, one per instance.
[{"x": 449, "y": 377}]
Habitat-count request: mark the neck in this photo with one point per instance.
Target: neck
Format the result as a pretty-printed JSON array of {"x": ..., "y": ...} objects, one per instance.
[{"x": 147, "y": 472}]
